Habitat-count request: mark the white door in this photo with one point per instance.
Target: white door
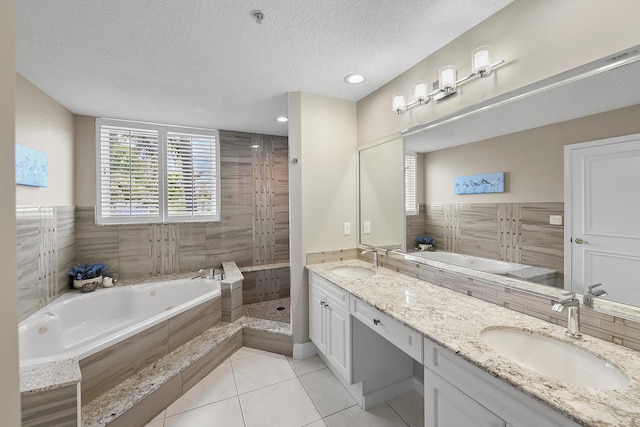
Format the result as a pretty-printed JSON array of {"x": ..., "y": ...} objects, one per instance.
[{"x": 603, "y": 217}]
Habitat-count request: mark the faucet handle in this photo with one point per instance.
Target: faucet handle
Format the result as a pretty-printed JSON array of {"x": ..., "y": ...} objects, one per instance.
[{"x": 598, "y": 292}]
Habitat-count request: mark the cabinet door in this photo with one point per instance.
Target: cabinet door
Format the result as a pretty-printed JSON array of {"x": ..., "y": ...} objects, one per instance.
[
  {"x": 317, "y": 329},
  {"x": 446, "y": 406},
  {"x": 338, "y": 344}
]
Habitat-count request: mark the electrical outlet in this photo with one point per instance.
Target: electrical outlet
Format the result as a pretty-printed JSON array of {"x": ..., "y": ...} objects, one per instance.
[
  {"x": 555, "y": 219},
  {"x": 367, "y": 227},
  {"x": 347, "y": 228}
]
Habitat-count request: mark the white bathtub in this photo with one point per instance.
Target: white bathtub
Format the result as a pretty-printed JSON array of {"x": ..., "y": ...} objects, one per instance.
[
  {"x": 483, "y": 264},
  {"x": 79, "y": 325}
]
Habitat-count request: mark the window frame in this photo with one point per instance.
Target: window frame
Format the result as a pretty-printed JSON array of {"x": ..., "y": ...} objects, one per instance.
[{"x": 163, "y": 216}]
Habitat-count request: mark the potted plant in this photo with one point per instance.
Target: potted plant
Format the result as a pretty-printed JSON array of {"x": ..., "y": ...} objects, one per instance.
[
  {"x": 84, "y": 274},
  {"x": 426, "y": 243}
]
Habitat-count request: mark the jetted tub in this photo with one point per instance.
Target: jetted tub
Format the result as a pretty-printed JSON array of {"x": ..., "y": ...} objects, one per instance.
[
  {"x": 79, "y": 325},
  {"x": 543, "y": 276},
  {"x": 477, "y": 263}
]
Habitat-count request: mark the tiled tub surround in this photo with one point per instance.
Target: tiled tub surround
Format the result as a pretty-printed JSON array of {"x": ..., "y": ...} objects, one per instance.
[
  {"x": 455, "y": 322},
  {"x": 79, "y": 324},
  {"x": 513, "y": 232},
  {"x": 127, "y": 355},
  {"x": 45, "y": 251}
]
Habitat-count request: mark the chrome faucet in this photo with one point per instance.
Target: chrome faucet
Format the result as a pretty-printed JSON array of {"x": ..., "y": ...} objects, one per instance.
[
  {"x": 375, "y": 256},
  {"x": 572, "y": 304},
  {"x": 589, "y": 297},
  {"x": 208, "y": 273}
]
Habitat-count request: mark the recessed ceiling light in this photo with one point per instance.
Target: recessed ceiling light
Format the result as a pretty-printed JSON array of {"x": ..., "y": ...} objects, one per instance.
[
  {"x": 282, "y": 119},
  {"x": 354, "y": 79}
]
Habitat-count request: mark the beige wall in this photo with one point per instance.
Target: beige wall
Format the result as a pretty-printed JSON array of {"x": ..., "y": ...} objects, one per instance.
[
  {"x": 85, "y": 163},
  {"x": 9, "y": 388},
  {"x": 322, "y": 136},
  {"x": 538, "y": 39},
  {"x": 532, "y": 160},
  {"x": 43, "y": 124}
]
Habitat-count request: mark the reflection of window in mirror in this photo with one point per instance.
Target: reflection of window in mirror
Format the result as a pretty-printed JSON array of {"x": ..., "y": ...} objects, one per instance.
[{"x": 410, "y": 184}]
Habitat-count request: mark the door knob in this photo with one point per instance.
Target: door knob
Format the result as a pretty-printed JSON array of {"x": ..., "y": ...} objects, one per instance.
[{"x": 580, "y": 241}]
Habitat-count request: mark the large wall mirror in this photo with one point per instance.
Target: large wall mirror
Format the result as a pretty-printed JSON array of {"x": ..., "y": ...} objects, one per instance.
[
  {"x": 603, "y": 87},
  {"x": 381, "y": 196}
]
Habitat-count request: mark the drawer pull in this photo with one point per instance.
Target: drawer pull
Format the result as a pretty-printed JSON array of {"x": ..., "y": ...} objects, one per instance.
[{"x": 376, "y": 322}]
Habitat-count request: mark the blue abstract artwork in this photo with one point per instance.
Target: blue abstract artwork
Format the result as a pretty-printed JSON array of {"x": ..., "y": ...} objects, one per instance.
[
  {"x": 32, "y": 167},
  {"x": 479, "y": 184}
]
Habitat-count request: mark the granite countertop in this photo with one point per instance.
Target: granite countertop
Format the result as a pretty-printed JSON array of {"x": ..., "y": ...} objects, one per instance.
[
  {"x": 455, "y": 321},
  {"x": 49, "y": 376}
]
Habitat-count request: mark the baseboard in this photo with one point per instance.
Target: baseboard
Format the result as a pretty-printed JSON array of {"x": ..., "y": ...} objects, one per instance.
[
  {"x": 304, "y": 351},
  {"x": 418, "y": 386}
]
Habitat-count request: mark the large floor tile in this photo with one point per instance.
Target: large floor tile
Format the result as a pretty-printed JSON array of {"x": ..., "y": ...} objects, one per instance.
[
  {"x": 285, "y": 404},
  {"x": 226, "y": 413},
  {"x": 318, "y": 423},
  {"x": 327, "y": 393},
  {"x": 378, "y": 416},
  {"x": 245, "y": 352},
  {"x": 216, "y": 386},
  {"x": 259, "y": 371},
  {"x": 410, "y": 407},
  {"x": 159, "y": 423},
  {"x": 305, "y": 366}
]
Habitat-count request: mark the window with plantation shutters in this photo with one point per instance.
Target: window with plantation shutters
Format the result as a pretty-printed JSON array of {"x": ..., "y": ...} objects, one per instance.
[
  {"x": 155, "y": 174},
  {"x": 191, "y": 175},
  {"x": 410, "y": 183}
]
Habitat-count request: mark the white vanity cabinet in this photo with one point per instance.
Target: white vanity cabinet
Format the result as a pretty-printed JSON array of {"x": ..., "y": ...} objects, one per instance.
[
  {"x": 330, "y": 323},
  {"x": 458, "y": 393}
]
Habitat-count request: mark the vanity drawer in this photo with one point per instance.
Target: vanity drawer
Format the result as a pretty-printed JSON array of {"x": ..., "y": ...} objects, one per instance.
[
  {"x": 338, "y": 296},
  {"x": 394, "y": 331}
]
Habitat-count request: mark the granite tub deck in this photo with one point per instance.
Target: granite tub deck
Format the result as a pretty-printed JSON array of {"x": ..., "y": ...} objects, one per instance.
[{"x": 455, "y": 321}]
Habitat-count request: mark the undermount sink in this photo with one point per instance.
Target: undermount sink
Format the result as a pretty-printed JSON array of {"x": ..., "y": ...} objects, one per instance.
[
  {"x": 553, "y": 358},
  {"x": 353, "y": 272}
]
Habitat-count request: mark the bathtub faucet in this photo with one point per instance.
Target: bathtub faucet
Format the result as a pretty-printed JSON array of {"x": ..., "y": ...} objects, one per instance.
[{"x": 209, "y": 273}]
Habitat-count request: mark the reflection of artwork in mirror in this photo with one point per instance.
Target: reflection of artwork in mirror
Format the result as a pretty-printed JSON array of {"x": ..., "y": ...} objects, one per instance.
[
  {"x": 32, "y": 167},
  {"x": 478, "y": 184}
]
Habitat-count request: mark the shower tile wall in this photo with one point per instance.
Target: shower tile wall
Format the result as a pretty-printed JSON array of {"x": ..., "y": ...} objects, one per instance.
[
  {"x": 45, "y": 251},
  {"x": 254, "y": 226},
  {"x": 254, "y": 229},
  {"x": 515, "y": 232}
]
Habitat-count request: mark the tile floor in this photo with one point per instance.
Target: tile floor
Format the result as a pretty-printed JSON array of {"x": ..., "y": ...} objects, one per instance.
[{"x": 254, "y": 388}]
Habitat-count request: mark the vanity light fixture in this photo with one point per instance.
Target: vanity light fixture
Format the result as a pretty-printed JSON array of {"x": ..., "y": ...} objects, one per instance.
[{"x": 481, "y": 66}]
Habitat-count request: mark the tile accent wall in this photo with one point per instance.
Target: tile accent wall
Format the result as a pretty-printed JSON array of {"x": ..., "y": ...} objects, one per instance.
[
  {"x": 45, "y": 252},
  {"x": 515, "y": 232},
  {"x": 254, "y": 228},
  {"x": 415, "y": 226},
  {"x": 608, "y": 327}
]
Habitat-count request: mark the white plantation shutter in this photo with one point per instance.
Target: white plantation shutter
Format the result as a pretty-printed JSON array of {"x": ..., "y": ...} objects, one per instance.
[
  {"x": 191, "y": 175},
  {"x": 129, "y": 179},
  {"x": 410, "y": 183},
  {"x": 152, "y": 174}
]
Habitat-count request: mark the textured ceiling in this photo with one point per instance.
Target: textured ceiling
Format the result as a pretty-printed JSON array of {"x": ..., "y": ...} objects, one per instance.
[{"x": 208, "y": 64}]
